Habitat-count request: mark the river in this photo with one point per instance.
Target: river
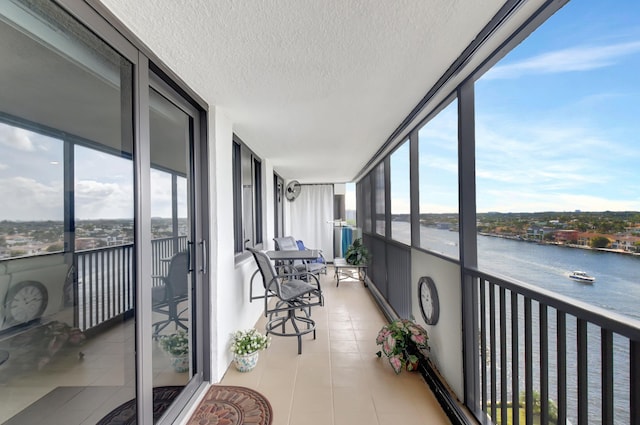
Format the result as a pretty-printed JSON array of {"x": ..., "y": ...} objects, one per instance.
[
  {"x": 617, "y": 285},
  {"x": 616, "y": 289}
]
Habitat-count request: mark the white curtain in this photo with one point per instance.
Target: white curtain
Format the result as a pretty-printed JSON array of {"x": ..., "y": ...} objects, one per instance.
[{"x": 312, "y": 218}]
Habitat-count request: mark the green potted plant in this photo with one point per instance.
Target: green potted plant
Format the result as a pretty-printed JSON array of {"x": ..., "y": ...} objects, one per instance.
[
  {"x": 176, "y": 346},
  {"x": 245, "y": 346},
  {"x": 401, "y": 340},
  {"x": 357, "y": 254}
]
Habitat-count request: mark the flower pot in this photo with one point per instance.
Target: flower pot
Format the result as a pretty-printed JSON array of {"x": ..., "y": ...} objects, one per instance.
[
  {"x": 180, "y": 363},
  {"x": 412, "y": 363},
  {"x": 246, "y": 362}
]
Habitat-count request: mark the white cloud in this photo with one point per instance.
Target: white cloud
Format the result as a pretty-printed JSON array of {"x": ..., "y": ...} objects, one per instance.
[
  {"x": 533, "y": 201},
  {"x": 3, "y": 166},
  {"x": 581, "y": 58},
  {"x": 16, "y": 138},
  {"x": 95, "y": 199},
  {"x": 27, "y": 199},
  {"x": 437, "y": 208}
]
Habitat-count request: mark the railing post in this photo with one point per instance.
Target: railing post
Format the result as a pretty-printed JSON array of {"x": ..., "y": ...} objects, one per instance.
[
  {"x": 492, "y": 345},
  {"x": 562, "y": 365},
  {"x": 471, "y": 343},
  {"x": 583, "y": 381},
  {"x": 515, "y": 364},
  {"x": 528, "y": 361},
  {"x": 634, "y": 382},
  {"x": 607, "y": 376},
  {"x": 503, "y": 357},
  {"x": 544, "y": 365}
]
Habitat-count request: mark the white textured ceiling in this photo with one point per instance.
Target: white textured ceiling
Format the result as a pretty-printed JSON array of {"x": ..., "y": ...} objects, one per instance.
[{"x": 316, "y": 86}]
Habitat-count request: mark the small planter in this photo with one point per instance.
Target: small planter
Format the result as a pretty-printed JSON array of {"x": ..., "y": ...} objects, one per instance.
[
  {"x": 402, "y": 341},
  {"x": 180, "y": 364},
  {"x": 246, "y": 362}
]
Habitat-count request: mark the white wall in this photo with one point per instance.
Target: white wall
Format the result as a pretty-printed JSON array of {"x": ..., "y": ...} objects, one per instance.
[
  {"x": 230, "y": 307},
  {"x": 445, "y": 338}
]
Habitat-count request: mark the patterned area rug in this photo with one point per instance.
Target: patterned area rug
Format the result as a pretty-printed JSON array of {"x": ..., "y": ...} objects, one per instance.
[
  {"x": 125, "y": 414},
  {"x": 222, "y": 405},
  {"x": 231, "y": 405}
]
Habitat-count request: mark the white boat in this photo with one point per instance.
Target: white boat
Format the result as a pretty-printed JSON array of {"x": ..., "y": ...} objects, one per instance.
[{"x": 581, "y": 276}]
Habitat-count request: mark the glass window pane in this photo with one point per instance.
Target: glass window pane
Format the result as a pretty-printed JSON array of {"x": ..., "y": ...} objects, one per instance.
[
  {"x": 438, "y": 168},
  {"x": 350, "y": 204},
  {"x": 247, "y": 199},
  {"x": 237, "y": 198},
  {"x": 171, "y": 295},
  {"x": 379, "y": 199},
  {"x": 557, "y": 153},
  {"x": 557, "y": 169},
  {"x": 68, "y": 315},
  {"x": 257, "y": 178},
  {"x": 400, "y": 195},
  {"x": 32, "y": 185}
]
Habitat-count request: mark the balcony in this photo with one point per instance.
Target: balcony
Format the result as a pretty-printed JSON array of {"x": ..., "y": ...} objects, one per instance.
[
  {"x": 530, "y": 344},
  {"x": 104, "y": 115},
  {"x": 337, "y": 380}
]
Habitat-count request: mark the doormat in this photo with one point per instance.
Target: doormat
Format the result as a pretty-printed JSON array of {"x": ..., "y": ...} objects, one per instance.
[
  {"x": 231, "y": 405},
  {"x": 125, "y": 414}
]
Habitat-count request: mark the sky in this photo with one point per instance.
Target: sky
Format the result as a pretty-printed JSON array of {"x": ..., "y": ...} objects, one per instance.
[
  {"x": 557, "y": 129},
  {"x": 31, "y": 181},
  {"x": 557, "y": 122},
  {"x": 557, "y": 119}
]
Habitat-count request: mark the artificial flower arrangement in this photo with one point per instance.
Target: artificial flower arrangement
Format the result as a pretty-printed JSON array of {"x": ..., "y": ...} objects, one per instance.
[
  {"x": 399, "y": 340},
  {"x": 248, "y": 341},
  {"x": 176, "y": 344}
]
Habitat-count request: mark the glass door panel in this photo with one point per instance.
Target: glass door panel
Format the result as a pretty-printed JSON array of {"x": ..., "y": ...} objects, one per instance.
[
  {"x": 172, "y": 230},
  {"x": 67, "y": 313}
]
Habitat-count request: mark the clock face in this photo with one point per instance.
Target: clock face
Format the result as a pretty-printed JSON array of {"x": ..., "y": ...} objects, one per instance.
[{"x": 428, "y": 297}]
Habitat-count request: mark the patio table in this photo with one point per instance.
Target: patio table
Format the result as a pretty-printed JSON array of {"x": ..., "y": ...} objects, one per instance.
[
  {"x": 349, "y": 271},
  {"x": 294, "y": 254}
]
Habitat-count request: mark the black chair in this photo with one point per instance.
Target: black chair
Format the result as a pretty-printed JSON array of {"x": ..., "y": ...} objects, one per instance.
[
  {"x": 167, "y": 296},
  {"x": 294, "y": 297}
]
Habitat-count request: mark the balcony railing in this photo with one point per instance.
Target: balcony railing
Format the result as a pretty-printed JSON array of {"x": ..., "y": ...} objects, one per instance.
[
  {"x": 541, "y": 352},
  {"x": 105, "y": 279}
]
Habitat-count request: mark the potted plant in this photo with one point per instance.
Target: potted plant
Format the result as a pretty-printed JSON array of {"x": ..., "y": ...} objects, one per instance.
[
  {"x": 401, "y": 340},
  {"x": 357, "y": 254},
  {"x": 176, "y": 346},
  {"x": 245, "y": 346}
]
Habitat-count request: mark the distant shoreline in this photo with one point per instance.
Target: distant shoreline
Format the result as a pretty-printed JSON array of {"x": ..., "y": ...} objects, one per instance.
[{"x": 565, "y": 245}]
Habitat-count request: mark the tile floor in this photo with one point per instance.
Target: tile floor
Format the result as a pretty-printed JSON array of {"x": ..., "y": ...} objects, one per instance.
[{"x": 338, "y": 379}]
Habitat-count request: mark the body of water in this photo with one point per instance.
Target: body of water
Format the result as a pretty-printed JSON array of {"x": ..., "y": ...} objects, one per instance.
[
  {"x": 617, "y": 285},
  {"x": 616, "y": 289}
]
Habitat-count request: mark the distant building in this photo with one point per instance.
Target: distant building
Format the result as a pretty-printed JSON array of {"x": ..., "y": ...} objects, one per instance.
[
  {"x": 626, "y": 243},
  {"x": 566, "y": 236}
]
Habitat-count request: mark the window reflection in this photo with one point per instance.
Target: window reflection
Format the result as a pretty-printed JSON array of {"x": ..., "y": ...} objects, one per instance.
[{"x": 66, "y": 269}]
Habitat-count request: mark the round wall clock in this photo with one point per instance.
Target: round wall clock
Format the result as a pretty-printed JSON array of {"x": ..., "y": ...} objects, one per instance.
[{"x": 429, "y": 304}]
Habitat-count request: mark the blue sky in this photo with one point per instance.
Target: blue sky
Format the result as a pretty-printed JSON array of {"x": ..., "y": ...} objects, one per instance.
[{"x": 557, "y": 121}]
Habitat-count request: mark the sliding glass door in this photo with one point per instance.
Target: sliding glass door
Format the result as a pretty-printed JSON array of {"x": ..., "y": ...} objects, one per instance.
[
  {"x": 178, "y": 247},
  {"x": 102, "y": 253}
]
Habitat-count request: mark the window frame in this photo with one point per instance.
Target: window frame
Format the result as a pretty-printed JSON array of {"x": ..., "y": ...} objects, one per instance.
[{"x": 241, "y": 155}]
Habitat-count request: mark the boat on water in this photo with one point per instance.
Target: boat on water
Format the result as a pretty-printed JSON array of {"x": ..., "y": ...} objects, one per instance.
[{"x": 581, "y": 276}]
